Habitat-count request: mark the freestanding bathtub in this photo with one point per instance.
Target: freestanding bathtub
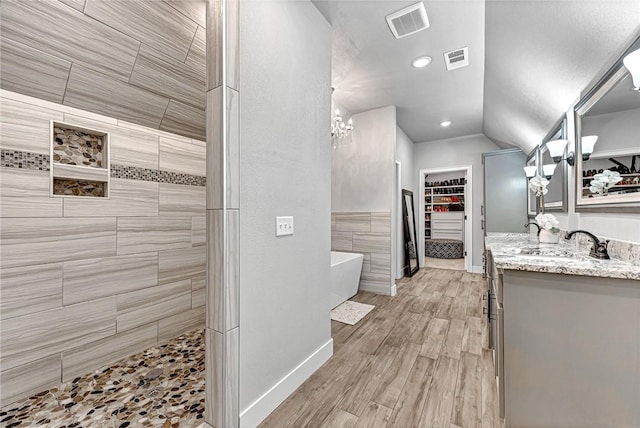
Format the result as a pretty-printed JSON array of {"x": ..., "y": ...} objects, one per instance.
[{"x": 345, "y": 276}]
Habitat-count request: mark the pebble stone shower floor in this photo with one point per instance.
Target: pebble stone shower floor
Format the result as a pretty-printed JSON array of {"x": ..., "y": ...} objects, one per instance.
[{"x": 160, "y": 387}]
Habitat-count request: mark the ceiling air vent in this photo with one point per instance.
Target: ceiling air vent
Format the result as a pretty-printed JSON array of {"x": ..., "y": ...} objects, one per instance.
[
  {"x": 408, "y": 20},
  {"x": 457, "y": 58}
]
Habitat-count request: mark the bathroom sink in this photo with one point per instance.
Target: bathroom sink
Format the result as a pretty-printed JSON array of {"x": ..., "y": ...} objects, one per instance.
[{"x": 545, "y": 254}]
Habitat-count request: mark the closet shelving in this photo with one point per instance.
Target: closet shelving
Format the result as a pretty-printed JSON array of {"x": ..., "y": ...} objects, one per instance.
[{"x": 442, "y": 196}]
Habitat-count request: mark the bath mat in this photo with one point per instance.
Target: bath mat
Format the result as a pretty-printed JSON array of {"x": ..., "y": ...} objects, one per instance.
[{"x": 350, "y": 312}]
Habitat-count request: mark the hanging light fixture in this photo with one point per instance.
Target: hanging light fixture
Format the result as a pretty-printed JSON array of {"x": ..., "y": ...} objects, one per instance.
[
  {"x": 632, "y": 62},
  {"x": 530, "y": 171},
  {"x": 340, "y": 130}
]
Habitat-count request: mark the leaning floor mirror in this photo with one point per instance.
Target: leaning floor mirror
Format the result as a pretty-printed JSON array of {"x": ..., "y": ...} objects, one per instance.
[
  {"x": 607, "y": 143},
  {"x": 410, "y": 243}
]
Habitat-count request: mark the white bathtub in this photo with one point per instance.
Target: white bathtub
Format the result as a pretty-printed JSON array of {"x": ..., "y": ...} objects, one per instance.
[{"x": 345, "y": 276}]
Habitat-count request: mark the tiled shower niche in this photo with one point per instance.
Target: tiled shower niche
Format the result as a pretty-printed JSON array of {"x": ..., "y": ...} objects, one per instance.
[
  {"x": 79, "y": 161},
  {"x": 66, "y": 187}
]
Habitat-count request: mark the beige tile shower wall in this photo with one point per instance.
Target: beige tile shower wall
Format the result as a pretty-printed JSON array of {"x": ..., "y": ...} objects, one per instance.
[
  {"x": 85, "y": 282},
  {"x": 368, "y": 233}
]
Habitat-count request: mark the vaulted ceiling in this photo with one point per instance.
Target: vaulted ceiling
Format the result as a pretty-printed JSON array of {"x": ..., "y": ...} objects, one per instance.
[
  {"x": 529, "y": 62},
  {"x": 372, "y": 69}
]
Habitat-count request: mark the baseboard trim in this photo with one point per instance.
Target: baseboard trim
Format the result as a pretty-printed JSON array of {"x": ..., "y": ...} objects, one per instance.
[
  {"x": 478, "y": 269},
  {"x": 394, "y": 290},
  {"x": 263, "y": 406},
  {"x": 377, "y": 288}
]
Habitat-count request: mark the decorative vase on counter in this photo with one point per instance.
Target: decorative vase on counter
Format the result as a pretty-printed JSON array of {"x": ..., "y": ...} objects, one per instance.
[{"x": 548, "y": 237}]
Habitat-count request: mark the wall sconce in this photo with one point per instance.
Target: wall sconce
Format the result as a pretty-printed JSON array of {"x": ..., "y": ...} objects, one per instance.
[
  {"x": 556, "y": 149},
  {"x": 588, "y": 142},
  {"x": 548, "y": 169},
  {"x": 530, "y": 171},
  {"x": 632, "y": 62}
]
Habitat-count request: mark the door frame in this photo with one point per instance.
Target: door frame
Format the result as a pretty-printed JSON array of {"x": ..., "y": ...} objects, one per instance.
[
  {"x": 468, "y": 202},
  {"x": 396, "y": 224}
]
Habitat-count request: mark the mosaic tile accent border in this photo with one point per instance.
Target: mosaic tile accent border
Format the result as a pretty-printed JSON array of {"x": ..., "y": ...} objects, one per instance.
[
  {"x": 41, "y": 162},
  {"x": 146, "y": 174},
  {"x": 24, "y": 160}
]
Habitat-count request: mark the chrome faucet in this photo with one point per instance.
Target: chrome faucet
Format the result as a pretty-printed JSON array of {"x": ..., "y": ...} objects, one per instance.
[
  {"x": 598, "y": 250},
  {"x": 534, "y": 224}
]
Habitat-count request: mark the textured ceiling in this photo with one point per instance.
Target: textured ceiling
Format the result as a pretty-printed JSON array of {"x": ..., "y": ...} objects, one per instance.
[
  {"x": 141, "y": 61},
  {"x": 540, "y": 56},
  {"x": 529, "y": 62},
  {"x": 372, "y": 69}
]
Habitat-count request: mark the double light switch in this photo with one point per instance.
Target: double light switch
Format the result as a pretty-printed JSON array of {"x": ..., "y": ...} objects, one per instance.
[{"x": 284, "y": 226}]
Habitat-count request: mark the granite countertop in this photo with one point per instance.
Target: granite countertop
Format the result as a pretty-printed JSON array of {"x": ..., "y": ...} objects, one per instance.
[{"x": 521, "y": 251}]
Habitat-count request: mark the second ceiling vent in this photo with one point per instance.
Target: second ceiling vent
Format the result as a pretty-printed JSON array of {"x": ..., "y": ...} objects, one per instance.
[
  {"x": 408, "y": 21},
  {"x": 457, "y": 58}
]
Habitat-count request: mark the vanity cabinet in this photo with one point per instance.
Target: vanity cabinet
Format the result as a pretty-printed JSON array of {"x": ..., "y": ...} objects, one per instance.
[
  {"x": 495, "y": 314},
  {"x": 566, "y": 348},
  {"x": 571, "y": 350}
]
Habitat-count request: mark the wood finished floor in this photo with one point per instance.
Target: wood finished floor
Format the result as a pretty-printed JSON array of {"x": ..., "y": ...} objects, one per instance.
[
  {"x": 453, "y": 264},
  {"x": 419, "y": 359}
]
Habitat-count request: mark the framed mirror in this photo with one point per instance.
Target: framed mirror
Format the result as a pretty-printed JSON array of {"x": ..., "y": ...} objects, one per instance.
[
  {"x": 410, "y": 243},
  {"x": 608, "y": 173},
  {"x": 532, "y": 200},
  {"x": 557, "y": 196}
]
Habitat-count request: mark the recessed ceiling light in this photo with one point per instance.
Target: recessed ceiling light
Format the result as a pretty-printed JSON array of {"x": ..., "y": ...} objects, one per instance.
[
  {"x": 421, "y": 61},
  {"x": 445, "y": 123}
]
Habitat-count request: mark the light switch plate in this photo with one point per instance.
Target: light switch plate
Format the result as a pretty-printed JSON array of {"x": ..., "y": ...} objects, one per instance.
[{"x": 284, "y": 226}]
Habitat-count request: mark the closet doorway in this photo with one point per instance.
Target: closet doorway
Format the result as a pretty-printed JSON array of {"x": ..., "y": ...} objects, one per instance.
[{"x": 445, "y": 218}]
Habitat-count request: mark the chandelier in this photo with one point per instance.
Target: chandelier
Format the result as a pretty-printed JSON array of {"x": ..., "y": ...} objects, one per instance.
[{"x": 340, "y": 130}]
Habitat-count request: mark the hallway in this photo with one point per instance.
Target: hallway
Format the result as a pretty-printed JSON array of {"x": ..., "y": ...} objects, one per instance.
[{"x": 419, "y": 359}]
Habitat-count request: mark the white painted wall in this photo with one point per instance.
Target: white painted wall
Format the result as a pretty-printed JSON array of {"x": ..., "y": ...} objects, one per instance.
[
  {"x": 362, "y": 171},
  {"x": 286, "y": 170},
  {"x": 451, "y": 153},
  {"x": 404, "y": 154}
]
